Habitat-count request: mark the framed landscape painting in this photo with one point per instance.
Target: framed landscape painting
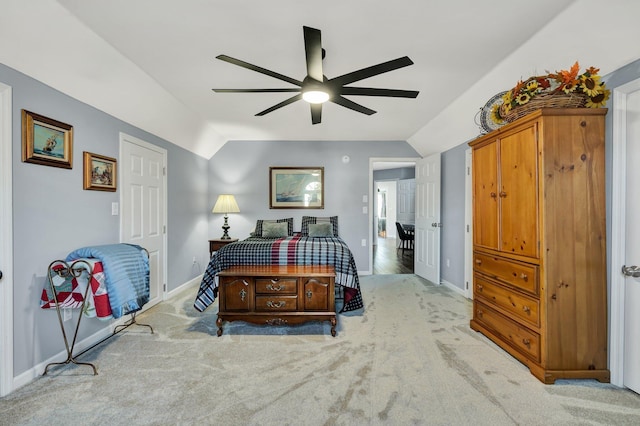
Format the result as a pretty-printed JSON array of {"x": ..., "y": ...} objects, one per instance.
[
  {"x": 99, "y": 172},
  {"x": 296, "y": 187},
  {"x": 46, "y": 141}
]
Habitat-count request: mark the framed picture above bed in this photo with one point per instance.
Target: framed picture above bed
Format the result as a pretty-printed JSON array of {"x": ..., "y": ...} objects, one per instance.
[
  {"x": 296, "y": 187},
  {"x": 46, "y": 141}
]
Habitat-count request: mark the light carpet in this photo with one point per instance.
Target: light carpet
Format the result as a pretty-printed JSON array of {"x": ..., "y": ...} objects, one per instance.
[{"x": 408, "y": 358}]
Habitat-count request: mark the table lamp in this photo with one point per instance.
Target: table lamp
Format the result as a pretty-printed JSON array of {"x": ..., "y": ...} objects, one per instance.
[{"x": 226, "y": 204}]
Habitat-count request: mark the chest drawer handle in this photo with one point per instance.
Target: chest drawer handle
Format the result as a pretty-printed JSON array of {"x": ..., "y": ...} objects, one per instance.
[
  {"x": 279, "y": 304},
  {"x": 479, "y": 313},
  {"x": 503, "y": 194},
  {"x": 243, "y": 294},
  {"x": 527, "y": 309},
  {"x": 309, "y": 294},
  {"x": 480, "y": 288},
  {"x": 493, "y": 195},
  {"x": 273, "y": 288},
  {"x": 524, "y": 276},
  {"x": 479, "y": 261},
  {"x": 527, "y": 343}
]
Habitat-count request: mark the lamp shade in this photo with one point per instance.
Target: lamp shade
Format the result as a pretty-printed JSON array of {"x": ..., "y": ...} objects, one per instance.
[{"x": 226, "y": 203}]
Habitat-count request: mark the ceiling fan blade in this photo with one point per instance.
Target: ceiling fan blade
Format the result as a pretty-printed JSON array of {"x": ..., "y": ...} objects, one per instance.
[
  {"x": 370, "y": 91},
  {"x": 313, "y": 51},
  {"x": 256, "y": 68},
  {"x": 316, "y": 113},
  {"x": 352, "y": 105},
  {"x": 255, "y": 90},
  {"x": 280, "y": 105},
  {"x": 371, "y": 71}
]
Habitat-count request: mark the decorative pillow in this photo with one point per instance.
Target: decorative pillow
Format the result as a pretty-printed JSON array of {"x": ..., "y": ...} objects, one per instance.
[
  {"x": 274, "y": 230},
  {"x": 260, "y": 222},
  {"x": 308, "y": 220},
  {"x": 324, "y": 229}
]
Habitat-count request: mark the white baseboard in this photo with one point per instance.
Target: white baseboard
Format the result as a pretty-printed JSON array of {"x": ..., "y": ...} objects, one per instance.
[
  {"x": 454, "y": 287},
  {"x": 192, "y": 282}
]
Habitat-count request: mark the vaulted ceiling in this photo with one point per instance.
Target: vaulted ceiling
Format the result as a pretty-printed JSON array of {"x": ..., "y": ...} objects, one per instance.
[{"x": 152, "y": 62}]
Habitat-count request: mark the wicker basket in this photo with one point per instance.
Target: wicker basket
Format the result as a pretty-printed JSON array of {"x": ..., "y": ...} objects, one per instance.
[{"x": 544, "y": 100}]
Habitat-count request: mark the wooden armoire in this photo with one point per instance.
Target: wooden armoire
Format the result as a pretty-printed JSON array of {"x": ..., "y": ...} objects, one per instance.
[{"x": 539, "y": 278}]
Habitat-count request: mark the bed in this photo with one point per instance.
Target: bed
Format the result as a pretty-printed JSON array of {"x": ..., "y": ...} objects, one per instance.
[{"x": 309, "y": 247}]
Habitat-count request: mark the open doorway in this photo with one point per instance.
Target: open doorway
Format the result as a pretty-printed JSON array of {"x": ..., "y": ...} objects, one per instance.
[{"x": 393, "y": 203}]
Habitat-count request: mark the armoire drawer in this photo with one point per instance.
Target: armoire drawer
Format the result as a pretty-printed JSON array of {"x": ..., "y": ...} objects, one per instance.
[
  {"x": 517, "y": 274},
  {"x": 511, "y": 332},
  {"x": 523, "y": 307}
]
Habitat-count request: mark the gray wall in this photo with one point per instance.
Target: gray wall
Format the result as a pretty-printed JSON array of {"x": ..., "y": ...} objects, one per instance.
[
  {"x": 452, "y": 215},
  {"x": 52, "y": 214},
  {"x": 242, "y": 168}
]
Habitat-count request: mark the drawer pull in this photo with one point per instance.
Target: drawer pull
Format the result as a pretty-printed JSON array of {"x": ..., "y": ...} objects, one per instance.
[
  {"x": 524, "y": 276},
  {"x": 527, "y": 343},
  {"x": 309, "y": 294},
  {"x": 493, "y": 195},
  {"x": 273, "y": 288},
  {"x": 479, "y": 261},
  {"x": 503, "y": 194},
  {"x": 243, "y": 294},
  {"x": 527, "y": 309},
  {"x": 480, "y": 288},
  {"x": 278, "y": 304},
  {"x": 479, "y": 312}
]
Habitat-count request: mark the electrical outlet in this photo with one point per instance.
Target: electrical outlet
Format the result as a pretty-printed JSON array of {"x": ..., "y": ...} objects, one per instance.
[
  {"x": 364, "y": 242},
  {"x": 66, "y": 314},
  {"x": 448, "y": 263}
]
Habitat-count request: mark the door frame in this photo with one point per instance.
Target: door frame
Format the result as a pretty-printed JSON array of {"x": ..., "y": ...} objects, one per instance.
[
  {"x": 618, "y": 226},
  {"x": 371, "y": 204},
  {"x": 128, "y": 139},
  {"x": 6, "y": 245}
]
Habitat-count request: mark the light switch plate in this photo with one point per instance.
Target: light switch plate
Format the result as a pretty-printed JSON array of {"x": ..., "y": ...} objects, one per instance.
[{"x": 114, "y": 209}]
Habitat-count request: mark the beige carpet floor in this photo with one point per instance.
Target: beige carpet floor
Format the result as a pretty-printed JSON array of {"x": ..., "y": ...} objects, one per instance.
[{"x": 408, "y": 358}]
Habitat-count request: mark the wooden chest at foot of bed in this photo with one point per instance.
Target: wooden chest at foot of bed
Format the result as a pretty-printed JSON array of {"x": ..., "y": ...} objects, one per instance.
[{"x": 277, "y": 295}]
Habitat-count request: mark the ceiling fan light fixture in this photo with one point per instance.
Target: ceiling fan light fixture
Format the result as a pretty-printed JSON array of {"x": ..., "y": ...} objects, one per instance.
[{"x": 315, "y": 96}]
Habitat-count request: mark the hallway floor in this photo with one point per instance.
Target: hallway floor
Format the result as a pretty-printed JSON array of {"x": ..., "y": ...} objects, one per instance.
[{"x": 387, "y": 259}]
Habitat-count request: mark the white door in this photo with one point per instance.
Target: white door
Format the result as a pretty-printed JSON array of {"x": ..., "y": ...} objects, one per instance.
[
  {"x": 143, "y": 199},
  {"x": 427, "y": 230},
  {"x": 632, "y": 248},
  {"x": 6, "y": 245}
]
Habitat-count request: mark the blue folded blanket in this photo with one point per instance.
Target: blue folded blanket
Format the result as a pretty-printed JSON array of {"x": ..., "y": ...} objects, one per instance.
[{"x": 126, "y": 269}]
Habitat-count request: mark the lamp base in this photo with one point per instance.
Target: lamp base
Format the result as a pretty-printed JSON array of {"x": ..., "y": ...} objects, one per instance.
[{"x": 225, "y": 228}]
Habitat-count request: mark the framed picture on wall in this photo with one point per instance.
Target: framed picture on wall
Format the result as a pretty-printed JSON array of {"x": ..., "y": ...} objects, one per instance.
[
  {"x": 46, "y": 141},
  {"x": 99, "y": 172},
  {"x": 296, "y": 187}
]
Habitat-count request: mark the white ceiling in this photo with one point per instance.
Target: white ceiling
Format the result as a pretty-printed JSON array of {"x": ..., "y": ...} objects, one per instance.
[{"x": 152, "y": 62}]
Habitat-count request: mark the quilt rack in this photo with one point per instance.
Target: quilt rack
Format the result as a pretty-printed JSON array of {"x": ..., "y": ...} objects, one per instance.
[{"x": 75, "y": 269}]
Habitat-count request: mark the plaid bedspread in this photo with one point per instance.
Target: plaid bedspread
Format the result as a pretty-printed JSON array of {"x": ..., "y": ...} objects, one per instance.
[{"x": 284, "y": 251}]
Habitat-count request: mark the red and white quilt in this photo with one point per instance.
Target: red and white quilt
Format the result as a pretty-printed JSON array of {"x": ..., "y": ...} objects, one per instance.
[{"x": 70, "y": 289}]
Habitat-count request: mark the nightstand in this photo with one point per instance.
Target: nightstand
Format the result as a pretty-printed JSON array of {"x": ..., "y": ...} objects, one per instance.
[{"x": 217, "y": 244}]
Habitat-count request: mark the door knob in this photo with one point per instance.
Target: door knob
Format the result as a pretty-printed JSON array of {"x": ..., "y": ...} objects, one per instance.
[
  {"x": 436, "y": 225},
  {"x": 0, "y": 275},
  {"x": 631, "y": 271}
]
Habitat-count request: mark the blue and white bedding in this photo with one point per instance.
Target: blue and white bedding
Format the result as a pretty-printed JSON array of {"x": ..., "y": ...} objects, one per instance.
[{"x": 295, "y": 250}]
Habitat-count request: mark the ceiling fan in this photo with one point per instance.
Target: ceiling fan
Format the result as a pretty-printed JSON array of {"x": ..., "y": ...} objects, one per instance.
[{"x": 316, "y": 89}]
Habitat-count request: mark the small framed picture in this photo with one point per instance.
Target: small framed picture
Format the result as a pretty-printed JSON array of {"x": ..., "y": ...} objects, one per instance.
[
  {"x": 296, "y": 187},
  {"x": 46, "y": 141},
  {"x": 99, "y": 172}
]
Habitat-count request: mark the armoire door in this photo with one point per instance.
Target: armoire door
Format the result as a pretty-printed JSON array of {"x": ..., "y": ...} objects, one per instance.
[
  {"x": 485, "y": 196},
  {"x": 518, "y": 193}
]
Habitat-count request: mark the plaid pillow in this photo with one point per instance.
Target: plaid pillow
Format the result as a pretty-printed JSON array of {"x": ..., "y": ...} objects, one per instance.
[
  {"x": 258, "y": 232},
  {"x": 307, "y": 220}
]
